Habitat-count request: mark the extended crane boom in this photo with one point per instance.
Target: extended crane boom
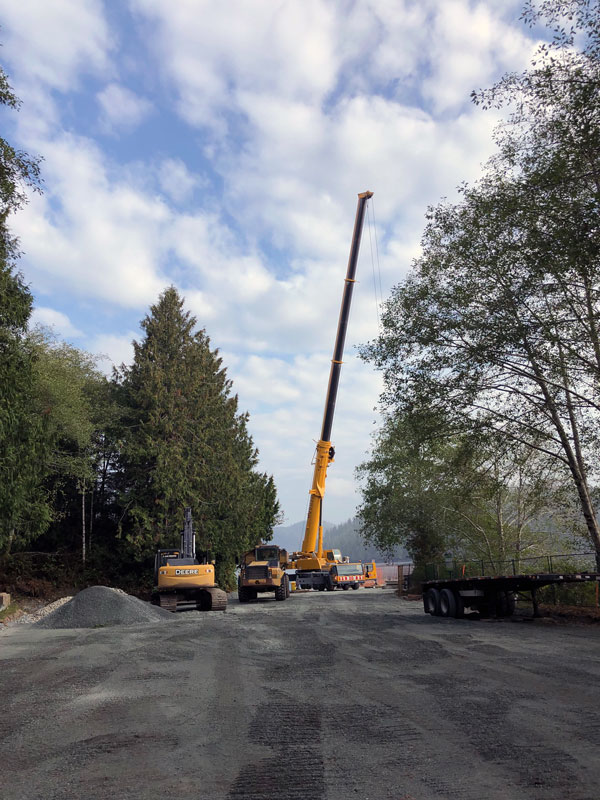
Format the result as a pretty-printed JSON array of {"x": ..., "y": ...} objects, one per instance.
[{"x": 311, "y": 556}]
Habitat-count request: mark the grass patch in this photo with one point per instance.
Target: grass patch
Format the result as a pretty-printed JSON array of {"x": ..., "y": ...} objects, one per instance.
[{"x": 7, "y": 612}]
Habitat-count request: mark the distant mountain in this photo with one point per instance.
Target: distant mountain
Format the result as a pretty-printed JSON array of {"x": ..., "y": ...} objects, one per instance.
[
  {"x": 344, "y": 537},
  {"x": 290, "y": 536}
]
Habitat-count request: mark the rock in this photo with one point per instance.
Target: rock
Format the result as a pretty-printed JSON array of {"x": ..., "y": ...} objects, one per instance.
[{"x": 100, "y": 606}]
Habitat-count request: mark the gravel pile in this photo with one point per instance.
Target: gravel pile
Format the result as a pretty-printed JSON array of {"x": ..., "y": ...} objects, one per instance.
[{"x": 98, "y": 606}]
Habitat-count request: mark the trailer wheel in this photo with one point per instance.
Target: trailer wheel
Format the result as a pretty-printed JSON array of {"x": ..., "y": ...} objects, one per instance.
[
  {"x": 345, "y": 587},
  {"x": 447, "y": 607},
  {"x": 355, "y": 585},
  {"x": 321, "y": 588},
  {"x": 431, "y": 602},
  {"x": 501, "y": 604},
  {"x": 460, "y": 605},
  {"x": 330, "y": 586},
  {"x": 510, "y": 604}
]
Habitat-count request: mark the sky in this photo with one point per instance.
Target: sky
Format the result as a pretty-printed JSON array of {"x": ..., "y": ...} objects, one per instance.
[{"x": 219, "y": 147}]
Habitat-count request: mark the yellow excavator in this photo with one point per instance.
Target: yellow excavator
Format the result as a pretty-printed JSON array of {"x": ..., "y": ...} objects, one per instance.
[
  {"x": 317, "y": 568},
  {"x": 180, "y": 578}
]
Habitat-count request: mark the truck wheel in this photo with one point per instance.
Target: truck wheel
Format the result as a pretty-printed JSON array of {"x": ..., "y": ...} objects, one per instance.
[
  {"x": 510, "y": 604},
  {"x": 447, "y": 603},
  {"x": 460, "y": 605},
  {"x": 243, "y": 594},
  {"x": 280, "y": 593},
  {"x": 501, "y": 604},
  {"x": 345, "y": 587},
  {"x": 330, "y": 586},
  {"x": 431, "y": 602},
  {"x": 355, "y": 585},
  {"x": 321, "y": 588}
]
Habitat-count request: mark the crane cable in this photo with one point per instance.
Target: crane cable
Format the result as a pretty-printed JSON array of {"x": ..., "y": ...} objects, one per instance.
[{"x": 378, "y": 294}]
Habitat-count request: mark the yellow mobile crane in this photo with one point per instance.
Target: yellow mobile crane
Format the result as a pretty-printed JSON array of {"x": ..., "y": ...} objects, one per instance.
[{"x": 317, "y": 568}]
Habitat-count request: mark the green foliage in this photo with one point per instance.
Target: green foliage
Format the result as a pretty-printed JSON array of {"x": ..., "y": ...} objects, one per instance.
[
  {"x": 402, "y": 502},
  {"x": 497, "y": 326},
  {"x": 22, "y": 512},
  {"x": 184, "y": 443},
  {"x": 435, "y": 488}
]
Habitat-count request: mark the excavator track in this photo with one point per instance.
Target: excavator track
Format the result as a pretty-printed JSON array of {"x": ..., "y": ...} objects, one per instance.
[
  {"x": 218, "y": 599},
  {"x": 168, "y": 601}
]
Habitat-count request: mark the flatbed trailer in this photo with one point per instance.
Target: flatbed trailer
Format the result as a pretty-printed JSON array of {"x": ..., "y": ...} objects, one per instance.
[{"x": 491, "y": 596}]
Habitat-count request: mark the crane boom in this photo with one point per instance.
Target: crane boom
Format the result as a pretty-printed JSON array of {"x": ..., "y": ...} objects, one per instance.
[{"x": 325, "y": 451}]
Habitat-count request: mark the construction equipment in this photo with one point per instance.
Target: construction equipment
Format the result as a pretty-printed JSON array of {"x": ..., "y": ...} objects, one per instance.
[
  {"x": 179, "y": 577},
  {"x": 313, "y": 564},
  {"x": 370, "y": 573},
  {"x": 263, "y": 570}
]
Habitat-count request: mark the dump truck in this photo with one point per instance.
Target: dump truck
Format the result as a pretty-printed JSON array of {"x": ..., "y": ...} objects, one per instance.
[
  {"x": 263, "y": 570},
  {"x": 181, "y": 578}
]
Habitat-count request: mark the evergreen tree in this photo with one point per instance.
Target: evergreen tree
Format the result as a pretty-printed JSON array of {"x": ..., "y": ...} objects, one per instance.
[
  {"x": 185, "y": 444},
  {"x": 23, "y": 512}
]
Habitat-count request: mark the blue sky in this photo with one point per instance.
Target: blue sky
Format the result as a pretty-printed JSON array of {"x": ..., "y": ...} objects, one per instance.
[{"x": 220, "y": 147}]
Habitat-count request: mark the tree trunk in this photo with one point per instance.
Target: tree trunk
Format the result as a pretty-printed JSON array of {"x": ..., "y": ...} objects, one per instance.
[
  {"x": 91, "y": 518},
  {"x": 83, "y": 524}
]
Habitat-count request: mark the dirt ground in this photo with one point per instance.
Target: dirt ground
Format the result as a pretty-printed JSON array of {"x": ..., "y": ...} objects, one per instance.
[{"x": 324, "y": 696}]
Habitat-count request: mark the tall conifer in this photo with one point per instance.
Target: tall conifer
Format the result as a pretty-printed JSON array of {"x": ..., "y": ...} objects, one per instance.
[
  {"x": 22, "y": 509},
  {"x": 186, "y": 444}
]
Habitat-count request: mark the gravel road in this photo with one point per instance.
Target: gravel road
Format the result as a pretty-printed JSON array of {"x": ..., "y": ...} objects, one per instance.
[{"x": 323, "y": 696}]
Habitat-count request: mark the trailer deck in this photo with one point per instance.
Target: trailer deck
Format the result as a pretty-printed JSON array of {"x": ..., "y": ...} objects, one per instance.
[{"x": 491, "y": 595}]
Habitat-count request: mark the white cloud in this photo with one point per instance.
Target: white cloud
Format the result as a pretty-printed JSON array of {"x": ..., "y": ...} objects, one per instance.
[
  {"x": 211, "y": 50},
  {"x": 286, "y": 400},
  {"x": 121, "y": 108},
  {"x": 114, "y": 349},
  {"x": 177, "y": 181},
  {"x": 297, "y": 107},
  {"x": 59, "y": 322},
  {"x": 56, "y": 42},
  {"x": 92, "y": 231}
]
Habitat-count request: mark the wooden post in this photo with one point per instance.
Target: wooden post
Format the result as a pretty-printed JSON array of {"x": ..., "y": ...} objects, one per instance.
[{"x": 400, "y": 578}]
